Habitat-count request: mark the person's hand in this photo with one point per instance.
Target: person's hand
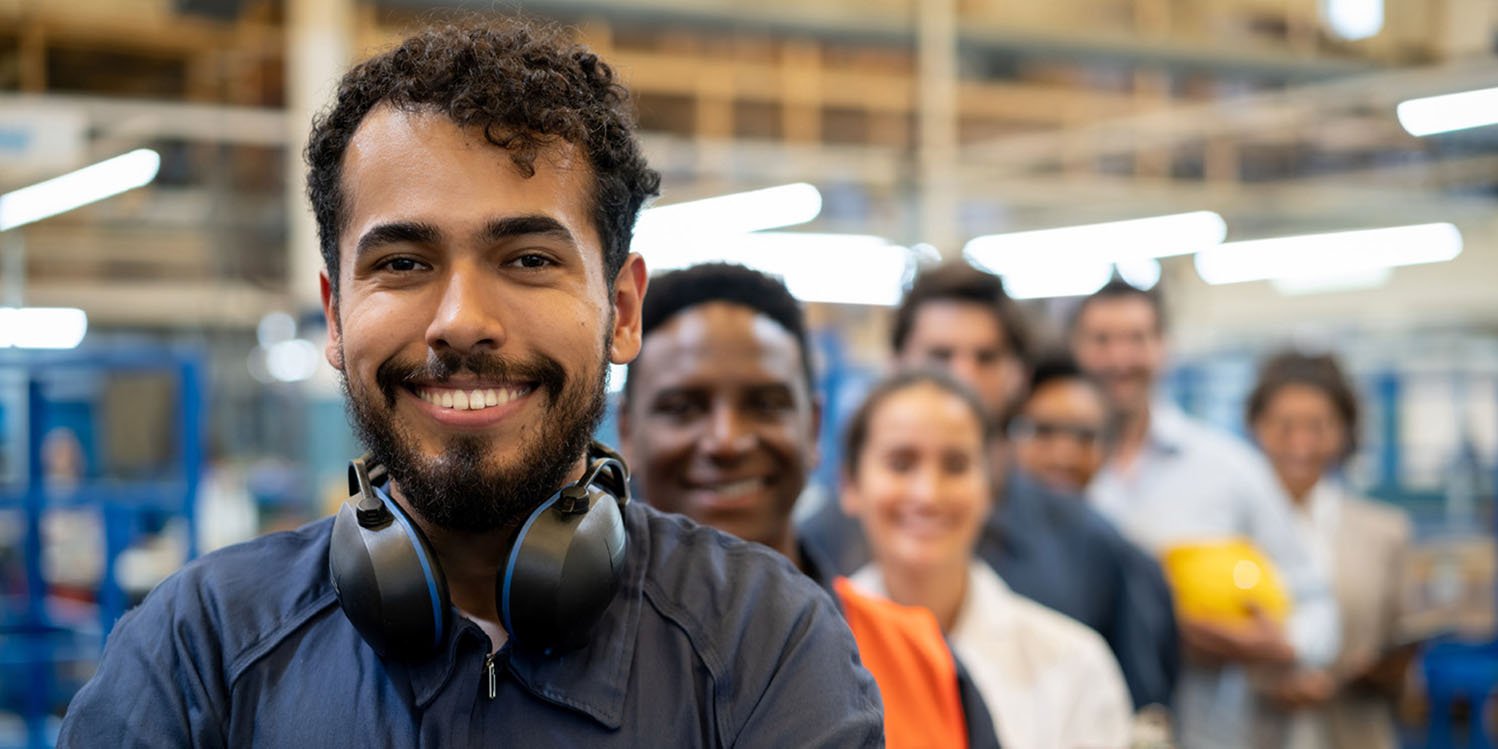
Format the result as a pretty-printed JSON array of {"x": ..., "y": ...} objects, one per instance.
[
  {"x": 1302, "y": 689},
  {"x": 1260, "y": 640}
]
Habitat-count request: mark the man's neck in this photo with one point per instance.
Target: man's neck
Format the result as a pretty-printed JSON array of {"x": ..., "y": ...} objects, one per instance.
[
  {"x": 1133, "y": 431},
  {"x": 471, "y": 560}
]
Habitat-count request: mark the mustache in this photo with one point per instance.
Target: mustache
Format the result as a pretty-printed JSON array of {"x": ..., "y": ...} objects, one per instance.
[{"x": 395, "y": 373}]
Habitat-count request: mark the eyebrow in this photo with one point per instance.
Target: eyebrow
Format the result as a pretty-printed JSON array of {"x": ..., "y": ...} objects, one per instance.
[
  {"x": 531, "y": 225},
  {"x": 399, "y": 232},
  {"x": 418, "y": 232}
]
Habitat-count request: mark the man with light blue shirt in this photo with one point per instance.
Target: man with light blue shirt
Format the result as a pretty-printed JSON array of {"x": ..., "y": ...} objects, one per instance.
[{"x": 1173, "y": 479}]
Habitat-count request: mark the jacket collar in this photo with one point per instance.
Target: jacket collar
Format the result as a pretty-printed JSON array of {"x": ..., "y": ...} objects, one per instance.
[
  {"x": 592, "y": 680},
  {"x": 1169, "y": 428}
]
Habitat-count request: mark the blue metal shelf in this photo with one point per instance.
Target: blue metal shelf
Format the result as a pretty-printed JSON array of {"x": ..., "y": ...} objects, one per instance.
[{"x": 36, "y": 635}]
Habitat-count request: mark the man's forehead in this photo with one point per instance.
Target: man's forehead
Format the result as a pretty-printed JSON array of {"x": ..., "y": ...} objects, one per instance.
[
  {"x": 423, "y": 149},
  {"x": 955, "y": 321},
  {"x": 729, "y": 341},
  {"x": 387, "y": 124},
  {"x": 1118, "y": 313},
  {"x": 1068, "y": 394}
]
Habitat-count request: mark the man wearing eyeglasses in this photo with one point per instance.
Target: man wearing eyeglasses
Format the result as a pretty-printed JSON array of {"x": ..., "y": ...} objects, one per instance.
[
  {"x": 1048, "y": 546},
  {"x": 1063, "y": 428}
]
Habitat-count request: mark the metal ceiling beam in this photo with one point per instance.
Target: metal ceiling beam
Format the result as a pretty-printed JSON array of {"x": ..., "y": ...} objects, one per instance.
[{"x": 867, "y": 25}]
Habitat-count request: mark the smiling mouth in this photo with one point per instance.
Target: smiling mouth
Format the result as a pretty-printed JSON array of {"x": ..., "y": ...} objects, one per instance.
[
  {"x": 731, "y": 490},
  {"x": 471, "y": 399},
  {"x": 922, "y": 524}
]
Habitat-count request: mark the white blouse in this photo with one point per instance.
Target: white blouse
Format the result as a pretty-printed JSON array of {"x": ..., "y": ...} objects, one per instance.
[{"x": 1049, "y": 681}]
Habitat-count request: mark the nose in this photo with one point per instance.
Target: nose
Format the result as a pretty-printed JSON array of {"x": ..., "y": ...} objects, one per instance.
[
  {"x": 729, "y": 435},
  {"x": 1301, "y": 444},
  {"x": 466, "y": 318},
  {"x": 964, "y": 367},
  {"x": 924, "y": 487}
]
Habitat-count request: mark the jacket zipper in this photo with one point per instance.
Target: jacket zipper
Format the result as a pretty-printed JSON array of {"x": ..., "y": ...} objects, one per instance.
[{"x": 491, "y": 678}]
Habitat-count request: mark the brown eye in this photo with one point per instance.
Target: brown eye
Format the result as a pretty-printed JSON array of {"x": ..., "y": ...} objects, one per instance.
[
  {"x": 402, "y": 264},
  {"x": 533, "y": 261}
]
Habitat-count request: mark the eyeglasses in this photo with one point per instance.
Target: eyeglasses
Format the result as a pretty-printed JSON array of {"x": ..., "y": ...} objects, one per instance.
[{"x": 1023, "y": 429}]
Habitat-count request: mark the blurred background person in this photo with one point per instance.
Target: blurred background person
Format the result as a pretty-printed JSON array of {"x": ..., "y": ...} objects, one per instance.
[
  {"x": 719, "y": 421},
  {"x": 1173, "y": 480},
  {"x": 1064, "y": 426},
  {"x": 916, "y": 477},
  {"x": 1304, "y": 415},
  {"x": 1047, "y": 546}
]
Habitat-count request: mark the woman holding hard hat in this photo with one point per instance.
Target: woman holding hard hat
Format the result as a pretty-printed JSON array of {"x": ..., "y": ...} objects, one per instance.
[{"x": 1304, "y": 415}]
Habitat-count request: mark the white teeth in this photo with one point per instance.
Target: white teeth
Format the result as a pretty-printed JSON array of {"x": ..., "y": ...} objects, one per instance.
[
  {"x": 470, "y": 400},
  {"x": 739, "y": 488}
]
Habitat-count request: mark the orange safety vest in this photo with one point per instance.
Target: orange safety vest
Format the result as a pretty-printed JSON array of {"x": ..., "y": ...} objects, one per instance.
[{"x": 903, "y": 647}]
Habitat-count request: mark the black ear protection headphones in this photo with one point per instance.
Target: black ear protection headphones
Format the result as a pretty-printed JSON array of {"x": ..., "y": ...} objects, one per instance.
[{"x": 561, "y": 573}]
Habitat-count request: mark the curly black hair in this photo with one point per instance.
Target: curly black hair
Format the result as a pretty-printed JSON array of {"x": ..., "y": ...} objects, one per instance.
[
  {"x": 679, "y": 290},
  {"x": 525, "y": 85}
]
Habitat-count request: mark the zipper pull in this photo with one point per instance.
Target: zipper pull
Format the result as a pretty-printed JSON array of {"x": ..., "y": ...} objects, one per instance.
[{"x": 491, "y": 678}]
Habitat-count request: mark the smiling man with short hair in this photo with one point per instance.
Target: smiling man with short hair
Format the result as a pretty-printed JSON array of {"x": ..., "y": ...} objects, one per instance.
[
  {"x": 475, "y": 189},
  {"x": 720, "y": 416}
]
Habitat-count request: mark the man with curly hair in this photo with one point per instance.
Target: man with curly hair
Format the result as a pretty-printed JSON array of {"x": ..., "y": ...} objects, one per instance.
[{"x": 475, "y": 192}]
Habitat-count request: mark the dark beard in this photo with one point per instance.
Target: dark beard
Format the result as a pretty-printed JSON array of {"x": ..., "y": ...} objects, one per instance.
[{"x": 463, "y": 489}]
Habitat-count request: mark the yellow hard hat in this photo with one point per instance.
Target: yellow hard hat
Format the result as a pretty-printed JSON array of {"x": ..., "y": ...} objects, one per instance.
[{"x": 1222, "y": 580}]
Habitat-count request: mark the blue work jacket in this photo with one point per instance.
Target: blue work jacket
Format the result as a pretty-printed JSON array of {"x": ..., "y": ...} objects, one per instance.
[{"x": 710, "y": 642}]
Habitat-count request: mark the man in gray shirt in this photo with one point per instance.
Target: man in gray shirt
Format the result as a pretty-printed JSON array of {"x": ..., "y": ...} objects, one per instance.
[{"x": 1174, "y": 480}]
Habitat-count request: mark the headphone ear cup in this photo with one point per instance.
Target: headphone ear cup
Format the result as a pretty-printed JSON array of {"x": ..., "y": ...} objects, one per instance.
[
  {"x": 388, "y": 582},
  {"x": 562, "y": 572}
]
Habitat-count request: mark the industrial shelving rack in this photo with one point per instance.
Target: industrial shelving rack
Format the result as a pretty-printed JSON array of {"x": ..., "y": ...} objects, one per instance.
[{"x": 38, "y": 633}]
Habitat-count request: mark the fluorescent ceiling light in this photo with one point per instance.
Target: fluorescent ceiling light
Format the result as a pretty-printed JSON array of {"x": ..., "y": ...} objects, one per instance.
[
  {"x": 1362, "y": 280},
  {"x": 42, "y": 327},
  {"x": 737, "y": 213},
  {"x": 75, "y": 189},
  {"x": 1448, "y": 112},
  {"x": 292, "y": 361},
  {"x": 827, "y": 268},
  {"x": 1141, "y": 274},
  {"x": 1043, "y": 282},
  {"x": 1328, "y": 255},
  {"x": 1353, "y": 19},
  {"x": 1115, "y": 241}
]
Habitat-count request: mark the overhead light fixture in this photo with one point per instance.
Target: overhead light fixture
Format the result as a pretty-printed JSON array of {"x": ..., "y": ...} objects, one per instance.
[
  {"x": 827, "y": 268},
  {"x": 1111, "y": 242},
  {"x": 1057, "y": 280},
  {"x": 293, "y": 360},
  {"x": 1329, "y": 255},
  {"x": 1141, "y": 274},
  {"x": 736, "y": 213},
  {"x": 1361, "y": 280},
  {"x": 1353, "y": 19},
  {"x": 1442, "y": 114},
  {"x": 78, "y": 188},
  {"x": 42, "y": 327}
]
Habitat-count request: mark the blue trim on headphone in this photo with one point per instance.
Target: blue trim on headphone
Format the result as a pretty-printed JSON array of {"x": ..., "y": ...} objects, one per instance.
[
  {"x": 426, "y": 566},
  {"x": 504, "y": 602}
]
